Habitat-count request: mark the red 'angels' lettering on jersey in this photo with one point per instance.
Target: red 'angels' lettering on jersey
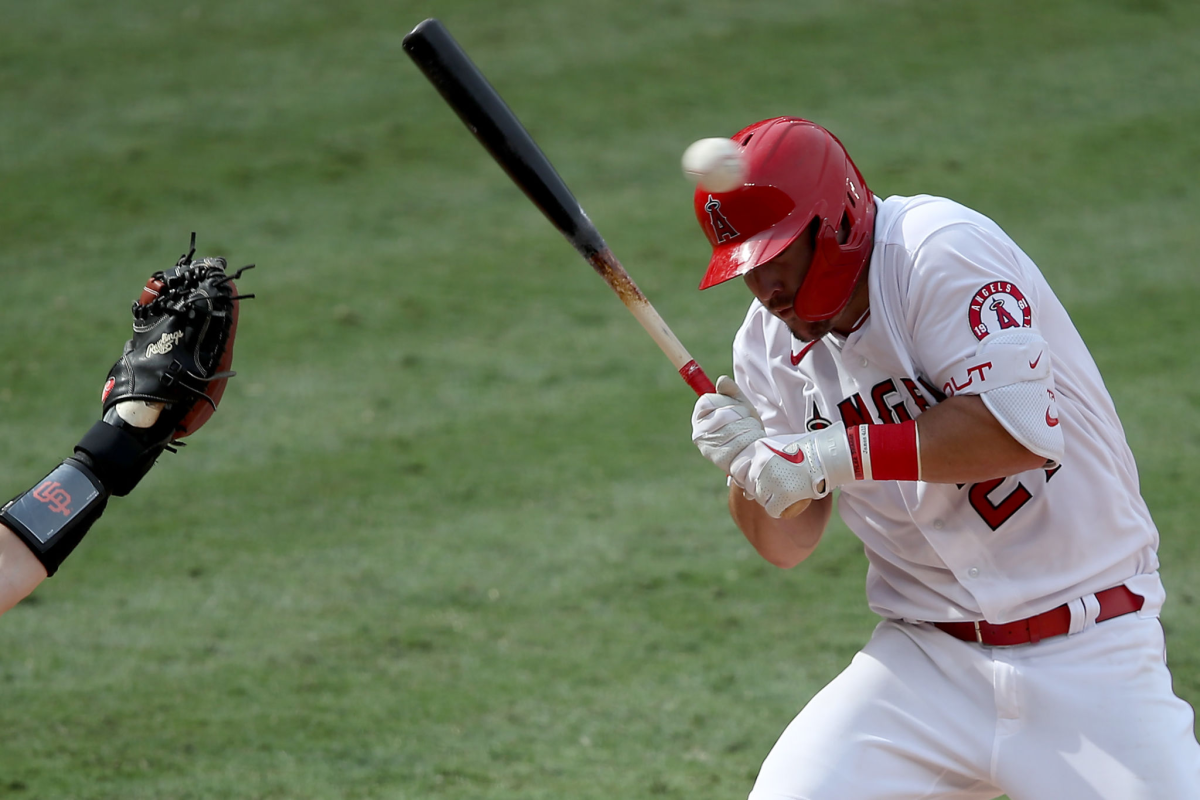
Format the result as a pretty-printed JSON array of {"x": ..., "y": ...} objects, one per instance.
[
  {"x": 854, "y": 411},
  {"x": 722, "y": 230},
  {"x": 996, "y": 307},
  {"x": 881, "y": 395},
  {"x": 933, "y": 391},
  {"x": 916, "y": 395},
  {"x": 889, "y": 402}
]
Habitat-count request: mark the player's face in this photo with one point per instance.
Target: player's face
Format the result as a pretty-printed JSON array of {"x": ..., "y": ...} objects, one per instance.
[{"x": 776, "y": 282}]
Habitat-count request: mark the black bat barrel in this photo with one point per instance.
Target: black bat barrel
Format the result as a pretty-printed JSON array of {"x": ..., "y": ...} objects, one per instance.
[{"x": 487, "y": 116}]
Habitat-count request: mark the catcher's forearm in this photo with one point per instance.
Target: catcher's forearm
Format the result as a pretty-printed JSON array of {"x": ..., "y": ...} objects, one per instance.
[
  {"x": 167, "y": 382},
  {"x": 117, "y": 456},
  {"x": 55, "y": 514},
  {"x": 52, "y": 517},
  {"x": 20, "y": 570}
]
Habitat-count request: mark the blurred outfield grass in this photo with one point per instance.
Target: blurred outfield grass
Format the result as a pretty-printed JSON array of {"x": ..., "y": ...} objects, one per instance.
[{"x": 447, "y": 536}]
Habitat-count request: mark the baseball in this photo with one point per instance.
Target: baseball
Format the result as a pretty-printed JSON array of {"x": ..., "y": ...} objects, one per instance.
[
  {"x": 139, "y": 413},
  {"x": 714, "y": 164}
]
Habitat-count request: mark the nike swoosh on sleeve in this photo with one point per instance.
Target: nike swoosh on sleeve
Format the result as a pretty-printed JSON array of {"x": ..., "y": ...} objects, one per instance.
[
  {"x": 1033, "y": 364},
  {"x": 1051, "y": 421}
]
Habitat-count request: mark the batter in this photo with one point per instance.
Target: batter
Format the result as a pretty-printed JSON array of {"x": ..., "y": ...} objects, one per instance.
[{"x": 906, "y": 351}]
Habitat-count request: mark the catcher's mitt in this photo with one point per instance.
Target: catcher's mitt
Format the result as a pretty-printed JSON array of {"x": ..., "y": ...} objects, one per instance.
[
  {"x": 165, "y": 386},
  {"x": 173, "y": 371}
]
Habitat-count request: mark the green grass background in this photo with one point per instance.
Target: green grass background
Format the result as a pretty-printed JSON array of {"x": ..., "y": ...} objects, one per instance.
[{"x": 447, "y": 536}]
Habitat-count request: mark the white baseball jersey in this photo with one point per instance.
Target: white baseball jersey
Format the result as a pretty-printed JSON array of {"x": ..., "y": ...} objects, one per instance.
[{"x": 942, "y": 279}]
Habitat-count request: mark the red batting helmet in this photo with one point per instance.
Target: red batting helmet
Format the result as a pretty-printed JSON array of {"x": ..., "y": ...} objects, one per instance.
[{"x": 796, "y": 171}]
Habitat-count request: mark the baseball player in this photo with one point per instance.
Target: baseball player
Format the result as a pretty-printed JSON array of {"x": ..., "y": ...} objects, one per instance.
[
  {"x": 908, "y": 353},
  {"x": 165, "y": 386}
]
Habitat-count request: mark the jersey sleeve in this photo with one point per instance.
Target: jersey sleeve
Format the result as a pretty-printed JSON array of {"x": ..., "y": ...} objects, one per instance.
[
  {"x": 964, "y": 284},
  {"x": 971, "y": 313}
]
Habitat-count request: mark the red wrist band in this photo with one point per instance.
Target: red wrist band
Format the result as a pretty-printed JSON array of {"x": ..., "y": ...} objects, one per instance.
[{"x": 885, "y": 452}]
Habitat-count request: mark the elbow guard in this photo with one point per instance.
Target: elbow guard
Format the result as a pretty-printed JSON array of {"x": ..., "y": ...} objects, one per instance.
[{"x": 1011, "y": 374}]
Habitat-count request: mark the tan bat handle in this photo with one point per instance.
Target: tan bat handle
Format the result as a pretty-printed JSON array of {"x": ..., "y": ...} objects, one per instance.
[{"x": 605, "y": 263}]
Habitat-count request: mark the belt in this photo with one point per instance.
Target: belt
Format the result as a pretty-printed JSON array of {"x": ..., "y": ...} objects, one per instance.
[{"x": 1114, "y": 602}]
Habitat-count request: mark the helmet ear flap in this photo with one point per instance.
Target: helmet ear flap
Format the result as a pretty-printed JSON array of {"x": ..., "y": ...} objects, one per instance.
[{"x": 837, "y": 262}]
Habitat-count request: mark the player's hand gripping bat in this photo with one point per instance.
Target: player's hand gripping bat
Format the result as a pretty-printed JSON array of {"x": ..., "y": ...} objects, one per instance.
[{"x": 496, "y": 127}]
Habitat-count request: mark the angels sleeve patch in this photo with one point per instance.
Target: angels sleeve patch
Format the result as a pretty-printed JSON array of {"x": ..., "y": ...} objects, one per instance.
[{"x": 997, "y": 306}]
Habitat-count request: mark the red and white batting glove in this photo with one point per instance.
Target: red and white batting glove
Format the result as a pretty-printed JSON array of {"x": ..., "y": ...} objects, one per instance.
[
  {"x": 787, "y": 469},
  {"x": 724, "y": 426}
]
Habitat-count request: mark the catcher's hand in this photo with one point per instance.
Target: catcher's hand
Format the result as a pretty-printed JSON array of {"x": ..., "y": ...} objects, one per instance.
[{"x": 173, "y": 372}]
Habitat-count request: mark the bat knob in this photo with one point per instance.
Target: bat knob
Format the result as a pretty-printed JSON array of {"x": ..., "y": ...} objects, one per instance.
[{"x": 795, "y": 509}]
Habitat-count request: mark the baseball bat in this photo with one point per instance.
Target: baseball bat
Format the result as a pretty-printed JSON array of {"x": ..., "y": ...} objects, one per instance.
[
  {"x": 487, "y": 116},
  {"x": 497, "y": 128}
]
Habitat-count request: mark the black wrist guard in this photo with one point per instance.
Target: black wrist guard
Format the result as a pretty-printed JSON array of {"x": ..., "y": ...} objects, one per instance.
[
  {"x": 116, "y": 456},
  {"x": 53, "y": 516}
]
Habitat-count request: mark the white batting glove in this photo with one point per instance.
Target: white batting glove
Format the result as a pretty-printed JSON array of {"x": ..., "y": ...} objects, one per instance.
[
  {"x": 787, "y": 469},
  {"x": 724, "y": 426}
]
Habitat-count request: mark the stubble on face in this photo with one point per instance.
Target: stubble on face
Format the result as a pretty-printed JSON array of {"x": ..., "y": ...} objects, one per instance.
[{"x": 777, "y": 282}]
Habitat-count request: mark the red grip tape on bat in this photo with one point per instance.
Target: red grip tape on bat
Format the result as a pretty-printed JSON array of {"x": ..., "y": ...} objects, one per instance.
[{"x": 695, "y": 378}]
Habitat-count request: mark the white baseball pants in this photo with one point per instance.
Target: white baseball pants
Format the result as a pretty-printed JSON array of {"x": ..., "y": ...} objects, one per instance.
[{"x": 919, "y": 714}]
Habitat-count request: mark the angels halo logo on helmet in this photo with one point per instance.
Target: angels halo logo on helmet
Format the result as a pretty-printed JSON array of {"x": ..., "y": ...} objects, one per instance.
[{"x": 796, "y": 171}]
